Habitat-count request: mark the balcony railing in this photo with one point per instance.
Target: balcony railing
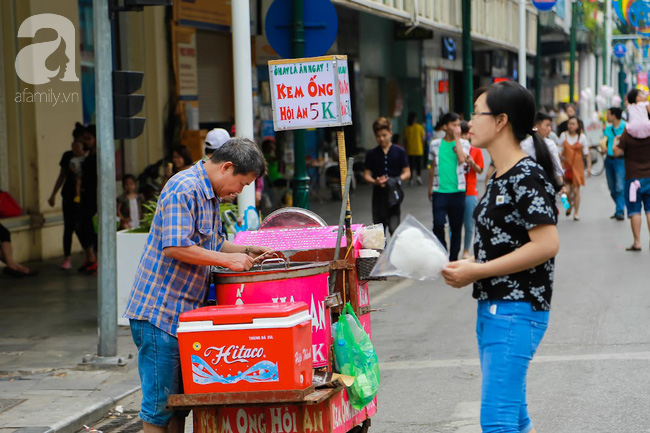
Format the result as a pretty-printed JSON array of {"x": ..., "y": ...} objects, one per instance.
[{"x": 494, "y": 21}]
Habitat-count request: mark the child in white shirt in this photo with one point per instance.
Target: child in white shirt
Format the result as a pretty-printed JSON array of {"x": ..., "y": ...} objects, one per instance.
[{"x": 638, "y": 124}]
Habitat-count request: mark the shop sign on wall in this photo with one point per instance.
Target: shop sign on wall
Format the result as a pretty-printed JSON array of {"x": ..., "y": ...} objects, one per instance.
[{"x": 310, "y": 92}]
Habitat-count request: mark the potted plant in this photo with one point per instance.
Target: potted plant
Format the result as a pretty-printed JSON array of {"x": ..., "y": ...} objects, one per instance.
[{"x": 130, "y": 245}]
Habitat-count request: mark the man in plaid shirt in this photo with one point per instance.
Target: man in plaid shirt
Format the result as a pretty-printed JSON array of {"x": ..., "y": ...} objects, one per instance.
[{"x": 172, "y": 277}]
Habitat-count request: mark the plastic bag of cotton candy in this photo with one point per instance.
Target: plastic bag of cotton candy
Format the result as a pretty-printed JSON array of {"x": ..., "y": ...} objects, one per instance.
[{"x": 413, "y": 252}]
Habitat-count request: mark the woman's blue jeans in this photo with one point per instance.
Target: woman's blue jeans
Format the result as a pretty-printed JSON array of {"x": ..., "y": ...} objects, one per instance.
[{"x": 508, "y": 334}]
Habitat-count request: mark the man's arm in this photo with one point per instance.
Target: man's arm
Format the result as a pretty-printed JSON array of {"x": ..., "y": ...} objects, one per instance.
[{"x": 195, "y": 255}]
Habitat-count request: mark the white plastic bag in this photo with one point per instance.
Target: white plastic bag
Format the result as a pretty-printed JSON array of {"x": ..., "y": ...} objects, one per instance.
[
  {"x": 413, "y": 252},
  {"x": 372, "y": 237}
]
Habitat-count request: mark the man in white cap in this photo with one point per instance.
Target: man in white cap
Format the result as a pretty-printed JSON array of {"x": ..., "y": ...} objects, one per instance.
[{"x": 214, "y": 140}]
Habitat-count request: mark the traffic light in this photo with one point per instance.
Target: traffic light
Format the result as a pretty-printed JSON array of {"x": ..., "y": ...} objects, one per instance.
[{"x": 126, "y": 105}]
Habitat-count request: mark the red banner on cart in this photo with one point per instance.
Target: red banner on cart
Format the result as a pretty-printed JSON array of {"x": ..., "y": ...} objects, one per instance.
[{"x": 335, "y": 415}]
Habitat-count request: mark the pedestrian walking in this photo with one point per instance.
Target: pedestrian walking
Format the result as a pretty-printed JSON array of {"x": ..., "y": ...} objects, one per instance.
[
  {"x": 543, "y": 130},
  {"x": 70, "y": 184},
  {"x": 474, "y": 166},
  {"x": 615, "y": 165},
  {"x": 574, "y": 148},
  {"x": 172, "y": 277},
  {"x": 386, "y": 168},
  {"x": 516, "y": 242},
  {"x": 414, "y": 141},
  {"x": 636, "y": 153},
  {"x": 88, "y": 202},
  {"x": 447, "y": 185},
  {"x": 563, "y": 118}
]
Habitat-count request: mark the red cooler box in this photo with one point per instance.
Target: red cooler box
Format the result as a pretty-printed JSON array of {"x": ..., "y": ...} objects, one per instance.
[{"x": 252, "y": 347}]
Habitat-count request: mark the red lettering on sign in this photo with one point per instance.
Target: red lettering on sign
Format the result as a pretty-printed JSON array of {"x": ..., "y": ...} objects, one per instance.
[{"x": 281, "y": 94}]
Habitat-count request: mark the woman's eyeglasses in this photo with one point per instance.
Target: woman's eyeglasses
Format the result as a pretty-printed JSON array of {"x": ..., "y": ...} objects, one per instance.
[{"x": 484, "y": 113}]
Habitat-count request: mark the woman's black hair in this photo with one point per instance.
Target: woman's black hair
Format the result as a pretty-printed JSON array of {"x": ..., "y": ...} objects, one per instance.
[
  {"x": 632, "y": 95},
  {"x": 78, "y": 131},
  {"x": 411, "y": 118},
  {"x": 516, "y": 102},
  {"x": 580, "y": 129},
  {"x": 184, "y": 152}
]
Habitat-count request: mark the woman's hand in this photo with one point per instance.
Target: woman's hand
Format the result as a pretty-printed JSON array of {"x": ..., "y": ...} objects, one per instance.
[
  {"x": 51, "y": 201},
  {"x": 461, "y": 273}
]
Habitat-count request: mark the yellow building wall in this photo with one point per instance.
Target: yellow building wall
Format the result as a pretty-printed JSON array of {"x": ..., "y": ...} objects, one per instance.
[{"x": 39, "y": 132}]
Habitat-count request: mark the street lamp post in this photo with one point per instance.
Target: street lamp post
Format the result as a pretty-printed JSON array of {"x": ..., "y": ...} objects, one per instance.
[
  {"x": 607, "y": 72},
  {"x": 522, "y": 43},
  {"x": 468, "y": 85},
  {"x": 572, "y": 51}
]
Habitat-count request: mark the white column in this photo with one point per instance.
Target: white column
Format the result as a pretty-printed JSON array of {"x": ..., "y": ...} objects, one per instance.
[
  {"x": 241, "y": 50},
  {"x": 522, "y": 43},
  {"x": 607, "y": 55}
]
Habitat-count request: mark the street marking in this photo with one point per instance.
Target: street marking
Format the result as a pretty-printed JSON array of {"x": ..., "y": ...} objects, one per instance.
[
  {"x": 390, "y": 292},
  {"x": 472, "y": 362}
]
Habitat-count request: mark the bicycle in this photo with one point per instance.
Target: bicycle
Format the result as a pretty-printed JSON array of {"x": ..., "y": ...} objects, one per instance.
[{"x": 597, "y": 160}]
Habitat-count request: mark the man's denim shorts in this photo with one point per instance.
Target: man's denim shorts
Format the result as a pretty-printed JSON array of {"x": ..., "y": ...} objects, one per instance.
[
  {"x": 160, "y": 371},
  {"x": 642, "y": 197}
]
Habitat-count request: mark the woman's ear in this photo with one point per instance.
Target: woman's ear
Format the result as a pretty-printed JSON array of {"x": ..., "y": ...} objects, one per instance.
[{"x": 501, "y": 121}]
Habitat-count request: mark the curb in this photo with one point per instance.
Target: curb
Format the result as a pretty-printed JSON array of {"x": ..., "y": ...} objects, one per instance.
[{"x": 91, "y": 414}]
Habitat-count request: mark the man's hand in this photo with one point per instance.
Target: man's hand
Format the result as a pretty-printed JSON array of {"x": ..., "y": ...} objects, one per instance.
[
  {"x": 239, "y": 262},
  {"x": 256, "y": 250},
  {"x": 461, "y": 273},
  {"x": 381, "y": 181},
  {"x": 51, "y": 201}
]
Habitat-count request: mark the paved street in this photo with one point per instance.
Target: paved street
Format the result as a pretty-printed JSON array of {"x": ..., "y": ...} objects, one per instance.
[{"x": 590, "y": 373}]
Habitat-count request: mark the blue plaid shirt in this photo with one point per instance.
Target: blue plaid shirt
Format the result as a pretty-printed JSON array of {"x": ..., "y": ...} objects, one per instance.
[{"x": 187, "y": 214}]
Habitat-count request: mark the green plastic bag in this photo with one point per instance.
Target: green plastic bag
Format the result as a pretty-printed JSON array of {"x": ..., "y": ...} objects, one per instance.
[{"x": 355, "y": 356}]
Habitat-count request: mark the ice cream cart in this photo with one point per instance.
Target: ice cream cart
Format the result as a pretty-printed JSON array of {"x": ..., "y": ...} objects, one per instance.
[{"x": 300, "y": 272}]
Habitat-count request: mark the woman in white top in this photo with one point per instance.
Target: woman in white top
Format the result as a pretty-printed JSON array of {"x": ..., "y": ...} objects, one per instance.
[{"x": 573, "y": 147}]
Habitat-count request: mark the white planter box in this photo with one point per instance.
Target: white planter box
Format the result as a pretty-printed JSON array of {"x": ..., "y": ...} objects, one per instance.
[{"x": 129, "y": 250}]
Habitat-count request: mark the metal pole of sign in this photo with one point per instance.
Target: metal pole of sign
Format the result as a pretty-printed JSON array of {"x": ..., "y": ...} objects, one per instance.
[
  {"x": 300, "y": 177},
  {"x": 107, "y": 311},
  {"x": 522, "y": 43}
]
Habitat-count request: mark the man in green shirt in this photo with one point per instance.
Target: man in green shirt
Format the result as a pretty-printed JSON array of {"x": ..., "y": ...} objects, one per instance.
[{"x": 447, "y": 156}]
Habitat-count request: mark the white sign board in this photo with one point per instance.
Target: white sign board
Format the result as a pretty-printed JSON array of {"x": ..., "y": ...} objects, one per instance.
[{"x": 310, "y": 93}]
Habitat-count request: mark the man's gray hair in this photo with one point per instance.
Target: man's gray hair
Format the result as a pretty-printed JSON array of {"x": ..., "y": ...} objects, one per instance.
[{"x": 244, "y": 154}]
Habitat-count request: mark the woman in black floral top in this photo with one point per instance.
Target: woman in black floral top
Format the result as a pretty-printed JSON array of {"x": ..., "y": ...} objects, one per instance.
[{"x": 516, "y": 240}]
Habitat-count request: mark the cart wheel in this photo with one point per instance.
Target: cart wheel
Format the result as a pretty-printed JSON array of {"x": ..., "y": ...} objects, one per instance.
[{"x": 363, "y": 428}]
